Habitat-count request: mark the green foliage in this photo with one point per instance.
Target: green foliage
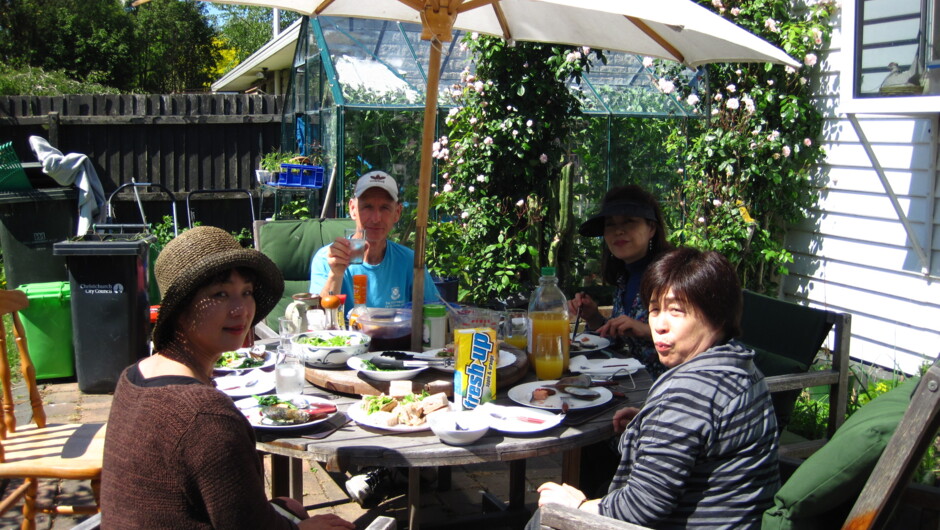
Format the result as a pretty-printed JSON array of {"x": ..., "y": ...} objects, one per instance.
[
  {"x": 88, "y": 40},
  {"x": 245, "y": 29},
  {"x": 34, "y": 81},
  {"x": 747, "y": 174},
  {"x": 174, "y": 46},
  {"x": 502, "y": 186},
  {"x": 162, "y": 46},
  {"x": 811, "y": 414}
]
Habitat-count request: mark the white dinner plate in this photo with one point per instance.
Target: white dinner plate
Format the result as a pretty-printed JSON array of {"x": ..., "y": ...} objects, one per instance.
[
  {"x": 269, "y": 358},
  {"x": 506, "y": 358},
  {"x": 250, "y": 408},
  {"x": 588, "y": 342},
  {"x": 246, "y": 384},
  {"x": 522, "y": 394},
  {"x": 381, "y": 375},
  {"x": 358, "y": 415},
  {"x": 519, "y": 420}
]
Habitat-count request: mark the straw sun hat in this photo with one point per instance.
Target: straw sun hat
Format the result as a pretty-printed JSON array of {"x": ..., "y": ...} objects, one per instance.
[{"x": 196, "y": 255}]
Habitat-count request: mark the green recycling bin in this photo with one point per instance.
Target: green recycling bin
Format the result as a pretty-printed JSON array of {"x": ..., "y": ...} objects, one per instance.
[{"x": 48, "y": 326}]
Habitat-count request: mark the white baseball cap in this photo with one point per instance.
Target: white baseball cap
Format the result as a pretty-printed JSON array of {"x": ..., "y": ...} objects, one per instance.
[{"x": 377, "y": 179}]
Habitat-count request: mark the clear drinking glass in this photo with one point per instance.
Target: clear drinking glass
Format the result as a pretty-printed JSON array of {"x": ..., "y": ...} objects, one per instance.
[
  {"x": 288, "y": 373},
  {"x": 286, "y": 328},
  {"x": 357, "y": 245},
  {"x": 549, "y": 357},
  {"x": 515, "y": 326}
]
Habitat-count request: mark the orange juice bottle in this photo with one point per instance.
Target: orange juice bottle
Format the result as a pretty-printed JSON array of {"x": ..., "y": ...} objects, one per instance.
[{"x": 548, "y": 313}]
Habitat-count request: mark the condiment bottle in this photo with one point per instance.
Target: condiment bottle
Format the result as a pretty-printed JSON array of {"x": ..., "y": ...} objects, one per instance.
[
  {"x": 360, "y": 290},
  {"x": 435, "y": 327},
  {"x": 548, "y": 314}
]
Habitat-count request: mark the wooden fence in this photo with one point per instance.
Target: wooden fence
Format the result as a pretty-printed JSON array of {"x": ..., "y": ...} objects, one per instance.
[{"x": 183, "y": 142}]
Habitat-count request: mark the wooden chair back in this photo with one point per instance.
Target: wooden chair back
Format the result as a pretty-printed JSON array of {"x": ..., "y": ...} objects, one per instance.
[
  {"x": 10, "y": 303},
  {"x": 797, "y": 333},
  {"x": 62, "y": 451}
]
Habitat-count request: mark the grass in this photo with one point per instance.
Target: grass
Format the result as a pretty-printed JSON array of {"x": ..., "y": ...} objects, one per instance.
[{"x": 811, "y": 414}]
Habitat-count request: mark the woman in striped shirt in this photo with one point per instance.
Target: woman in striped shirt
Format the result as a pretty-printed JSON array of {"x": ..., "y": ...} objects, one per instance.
[{"x": 702, "y": 452}]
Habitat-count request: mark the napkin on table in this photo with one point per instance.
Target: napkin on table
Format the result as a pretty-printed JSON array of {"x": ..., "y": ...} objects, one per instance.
[{"x": 604, "y": 367}]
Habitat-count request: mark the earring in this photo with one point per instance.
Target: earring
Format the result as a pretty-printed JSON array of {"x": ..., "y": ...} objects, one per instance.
[{"x": 651, "y": 245}]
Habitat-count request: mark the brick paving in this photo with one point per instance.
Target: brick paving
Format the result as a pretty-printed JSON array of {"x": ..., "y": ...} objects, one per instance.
[{"x": 64, "y": 403}]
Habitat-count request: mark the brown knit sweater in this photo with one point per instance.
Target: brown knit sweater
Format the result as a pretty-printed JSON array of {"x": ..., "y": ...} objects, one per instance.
[{"x": 181, "y": 456}]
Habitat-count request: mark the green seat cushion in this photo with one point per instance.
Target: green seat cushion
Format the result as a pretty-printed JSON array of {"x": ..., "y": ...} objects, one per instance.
[{"x": 823, "y": 489}]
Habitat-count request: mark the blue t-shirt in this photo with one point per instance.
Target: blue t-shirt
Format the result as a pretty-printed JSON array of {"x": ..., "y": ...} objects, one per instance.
[{"x": 390, "y": 282}]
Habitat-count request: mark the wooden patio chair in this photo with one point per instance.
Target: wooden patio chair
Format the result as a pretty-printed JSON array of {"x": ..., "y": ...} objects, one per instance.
[
  {"x": 887, "y": 450},
  {"x": 787, "y": 338},
  {"x": 39, "y": 450},
  {"x": 291, "y": 244}
]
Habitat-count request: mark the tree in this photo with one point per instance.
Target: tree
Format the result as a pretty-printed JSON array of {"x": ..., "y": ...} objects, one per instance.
[
  {"x": 505, "y": 163},
  {"x": 247, "y": 28},
  {"x": 174, "y": 46},
  {"x": 90, "y": 40}
]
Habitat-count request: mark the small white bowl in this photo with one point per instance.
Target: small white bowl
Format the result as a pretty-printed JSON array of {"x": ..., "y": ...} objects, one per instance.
[
  {"x": 381, "y": 375},
  {"x": 444, "y": 424}
]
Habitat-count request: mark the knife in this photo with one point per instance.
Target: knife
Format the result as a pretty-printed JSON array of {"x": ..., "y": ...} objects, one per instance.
[
  {"x": 385, "y": 362},
  {"x": 526, "y": 419}
]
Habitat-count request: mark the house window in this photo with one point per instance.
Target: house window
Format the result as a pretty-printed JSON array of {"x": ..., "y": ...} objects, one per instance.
[{"x": 893, "y": 56}]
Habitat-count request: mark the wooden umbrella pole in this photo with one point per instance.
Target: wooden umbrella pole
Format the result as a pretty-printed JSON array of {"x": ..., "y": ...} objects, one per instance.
[{"x": 424, "y": 194}]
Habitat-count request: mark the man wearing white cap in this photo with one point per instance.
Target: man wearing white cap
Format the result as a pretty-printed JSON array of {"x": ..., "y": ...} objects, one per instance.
[{"x": 389, "y": 266}]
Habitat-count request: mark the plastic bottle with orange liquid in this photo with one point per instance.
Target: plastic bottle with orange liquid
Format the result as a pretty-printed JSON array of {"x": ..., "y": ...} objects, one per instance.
[{"x": 548, "y": 315}]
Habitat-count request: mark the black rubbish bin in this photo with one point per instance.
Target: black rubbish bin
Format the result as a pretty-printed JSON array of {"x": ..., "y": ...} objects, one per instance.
[
  {"x": 30, "y": 223},
  {"x": 108, "y": 279}
]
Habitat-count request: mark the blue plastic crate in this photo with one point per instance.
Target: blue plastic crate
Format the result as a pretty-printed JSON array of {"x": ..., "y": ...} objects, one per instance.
[{"x": 300, "y": 176}]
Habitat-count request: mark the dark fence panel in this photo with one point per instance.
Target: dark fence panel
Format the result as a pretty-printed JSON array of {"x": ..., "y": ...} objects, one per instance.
[{"x": 183, "y": 142}]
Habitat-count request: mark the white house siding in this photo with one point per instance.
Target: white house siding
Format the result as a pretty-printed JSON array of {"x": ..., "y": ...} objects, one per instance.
[{"x": 853, "y": 254}]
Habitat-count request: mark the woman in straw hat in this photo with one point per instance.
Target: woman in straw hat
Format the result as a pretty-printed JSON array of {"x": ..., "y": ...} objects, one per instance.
[{"x": 178, "y": 453}]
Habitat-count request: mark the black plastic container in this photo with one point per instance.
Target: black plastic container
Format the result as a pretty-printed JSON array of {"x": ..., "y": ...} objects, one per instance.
[
  {"x": 31, "y": 222},
  {"x": 110, "y": 306}
]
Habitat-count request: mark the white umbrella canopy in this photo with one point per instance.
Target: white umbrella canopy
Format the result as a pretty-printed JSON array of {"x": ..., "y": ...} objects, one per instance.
[{"x": 677, "y": 30}]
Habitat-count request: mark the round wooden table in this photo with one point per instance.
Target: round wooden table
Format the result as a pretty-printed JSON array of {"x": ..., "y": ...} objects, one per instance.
[
  {"x": 431, "y": 380},
  {"x": 353, "y": 446}
]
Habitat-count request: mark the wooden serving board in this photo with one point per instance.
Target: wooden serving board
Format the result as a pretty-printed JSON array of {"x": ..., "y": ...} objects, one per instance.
[{"x": 434, "y": 381}]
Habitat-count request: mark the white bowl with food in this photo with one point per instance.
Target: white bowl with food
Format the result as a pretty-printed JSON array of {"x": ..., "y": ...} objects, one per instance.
[
  {"x": 459, "y": 427},
  {"x": 365, "y": 365},
  {"x": 329, "y": 348}
]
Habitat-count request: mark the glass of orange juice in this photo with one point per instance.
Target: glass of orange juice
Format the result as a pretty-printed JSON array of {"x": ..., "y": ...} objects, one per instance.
[
  {"x": 515, "y": 325},
  {"x": 549, "y": 357}
]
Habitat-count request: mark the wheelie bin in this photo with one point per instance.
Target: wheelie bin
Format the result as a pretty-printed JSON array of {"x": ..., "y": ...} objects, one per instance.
[
  {"x": 108, "y": 276},
  {"x": 48, "y": 326}
]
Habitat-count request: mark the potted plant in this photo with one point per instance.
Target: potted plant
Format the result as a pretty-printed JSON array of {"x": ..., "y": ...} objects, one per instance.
[{"x": 270, "y": 165}]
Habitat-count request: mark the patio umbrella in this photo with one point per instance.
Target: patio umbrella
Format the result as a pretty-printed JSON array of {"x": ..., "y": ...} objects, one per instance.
[{"x": 678, "y": 30}]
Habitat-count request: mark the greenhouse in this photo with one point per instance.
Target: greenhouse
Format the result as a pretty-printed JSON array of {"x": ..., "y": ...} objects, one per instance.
[{"x": 357, "y": 90}]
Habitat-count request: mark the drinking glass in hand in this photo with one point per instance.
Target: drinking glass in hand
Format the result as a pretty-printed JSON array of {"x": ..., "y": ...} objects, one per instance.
[
  {"x": 549, "y": 356},
  {"x": 289, "y": 373},
  {"x": 357, "y": 245},
  {"x": 514, "y": 328}
]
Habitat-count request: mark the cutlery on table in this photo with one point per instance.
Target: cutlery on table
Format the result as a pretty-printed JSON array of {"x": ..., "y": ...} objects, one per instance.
[
  {"x": 526, "y": 419},
  {"x": 385, "y": 362},
  {"x": 577, "y": 321}
]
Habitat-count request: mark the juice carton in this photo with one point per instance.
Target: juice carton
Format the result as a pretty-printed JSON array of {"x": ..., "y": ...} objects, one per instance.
[{"x": 475, "y": 373}]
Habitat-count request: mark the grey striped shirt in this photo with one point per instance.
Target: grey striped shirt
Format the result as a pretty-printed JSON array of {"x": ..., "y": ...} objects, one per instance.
[{"x": 703, "y": 450}]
